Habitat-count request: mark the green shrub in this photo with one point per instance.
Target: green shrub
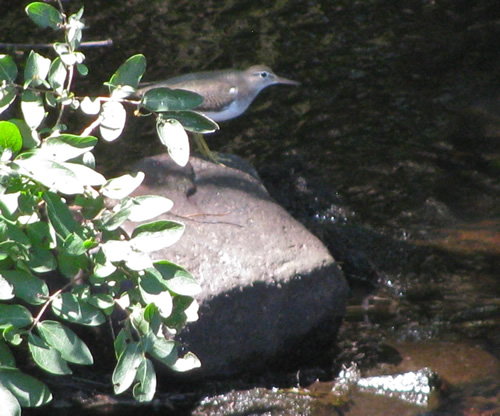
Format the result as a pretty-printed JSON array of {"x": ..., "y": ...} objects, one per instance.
[{"x": 63, "y": 253}]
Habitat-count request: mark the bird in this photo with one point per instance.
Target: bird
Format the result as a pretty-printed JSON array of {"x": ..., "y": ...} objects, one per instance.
[{"x": 227, "y": 93}]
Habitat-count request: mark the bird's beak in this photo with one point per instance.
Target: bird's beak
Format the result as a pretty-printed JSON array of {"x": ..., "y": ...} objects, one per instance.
[{"x": 281, "y": 80}]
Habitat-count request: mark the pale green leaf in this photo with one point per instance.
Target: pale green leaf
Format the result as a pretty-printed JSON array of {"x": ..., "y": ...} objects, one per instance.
[
  {"x": 67, "y": 306},
  {"x": 154, "y": 290},
  {"x": 32, "y": 108},
  {"x": 186, "y": 363},
  {"x": 89, "y": 106},
  {"x": 10, "y": 405},
  {"x": 149, "y": 206},
  {"x": 119, "y": 188},
  {"x": 113, "y": 120},
  {"x": 145, "y": 389},
  {"x": 30, "y": 391},
  {"x": 175, "y": 139},
  {"x": 126, "y": 367},
  {"x": 66, "y": 146},
  {"x": 7, "y": 97},
  {"x": 36, "y": 69},
  {"x": 156, "y": 235},
  {"x": 6, "y": 289}
]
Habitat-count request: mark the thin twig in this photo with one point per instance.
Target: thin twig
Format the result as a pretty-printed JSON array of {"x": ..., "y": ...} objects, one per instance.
[{"x": 89, "y": 44}]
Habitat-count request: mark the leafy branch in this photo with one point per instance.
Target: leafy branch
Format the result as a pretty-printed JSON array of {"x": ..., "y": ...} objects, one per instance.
[{"x": 64, "y": 257}]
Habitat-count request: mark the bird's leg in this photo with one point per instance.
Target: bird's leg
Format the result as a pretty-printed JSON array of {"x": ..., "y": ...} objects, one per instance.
[{"x": 203, "y": 148}]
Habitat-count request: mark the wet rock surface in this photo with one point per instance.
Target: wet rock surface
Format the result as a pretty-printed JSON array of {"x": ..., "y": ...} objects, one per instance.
[{"x": 272, "y": 295}]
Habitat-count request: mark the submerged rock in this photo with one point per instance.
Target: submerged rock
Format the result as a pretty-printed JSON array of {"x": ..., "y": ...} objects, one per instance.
[{"x": 272, "y": 293}]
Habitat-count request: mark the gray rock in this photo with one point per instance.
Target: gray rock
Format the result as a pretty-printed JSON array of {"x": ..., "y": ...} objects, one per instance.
[{"x": 271, "y": 290}]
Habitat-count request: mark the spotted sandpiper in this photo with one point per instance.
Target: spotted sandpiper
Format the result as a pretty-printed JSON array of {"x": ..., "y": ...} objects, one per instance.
[{"x": 226, "y": 93}]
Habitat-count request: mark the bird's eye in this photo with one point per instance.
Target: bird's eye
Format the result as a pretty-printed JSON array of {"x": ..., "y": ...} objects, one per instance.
[{"x": 264, "y": 74}]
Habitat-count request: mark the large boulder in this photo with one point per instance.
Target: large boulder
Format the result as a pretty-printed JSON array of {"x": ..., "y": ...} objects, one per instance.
[{"x": 272, "y": 293}]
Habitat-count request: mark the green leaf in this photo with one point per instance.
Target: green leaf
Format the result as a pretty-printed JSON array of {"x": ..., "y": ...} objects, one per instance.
[
  {"x": 156, "y": 235},
  {"x": 113, "y": 116},
  {"x": 149, "y": 206},
  {"x": 72, "y": 309},
  {"x": 7, "y": 97},
  {"x": 28, "y": 390},
  {"x": 53, "y": 175},
  {"x": 130, "y": 72},
  {"x": 47, "y": 357},
  {"x": 59, "y": 215},
  {"x": 10, "y": 405},
  {"x": 8, "y": 73},
  {"x": 166, "y": 99},
  {"x": 10, "y": 137},
  {"x": 27, "y": 286},
  {"x": 12, "y": 335},
  {"x": 177, "y": 279},
  {"x": 123, "y": 339},
  {"x": 36, "y": 69},
  {"x": 41, "y": 234},
  {"x": 6, "y": 357},
  {"x": 91, "y": 206},
  {"x": 64, "y": 340},
  {"x": 74, "y": 29},
  {"x": 30, "y": 137},
  {"x": 44, "y": 15},
  {"x": 66, "y": 146},
  {"x": 126, "y": 367},
  {"x": 32, "y": 108},
  {"x": 102, "y": 301},
  {"x": 70, "y": 265},
  {"x": 193, "y": 121},
  {"x": 154, "y": 290},
  {"x": 153, "y": 317},
  {"x": 119, "y": 188},
  {"x": 102, "y": 265},
  {"x": 41, "y": 260},
  {"x": 74, "y": 245},
  {"x": 120, "y": 214},
  {"x": 175, "y": 139},
  {"x": 82, "y": 69},
  {"x": 15, "y": 315},
  {"x": 8, "y": 69},
  {"x": 145, "y": 389},
  {"x": 57, "y": 75},
  {"x": 164, "y": 350}
]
